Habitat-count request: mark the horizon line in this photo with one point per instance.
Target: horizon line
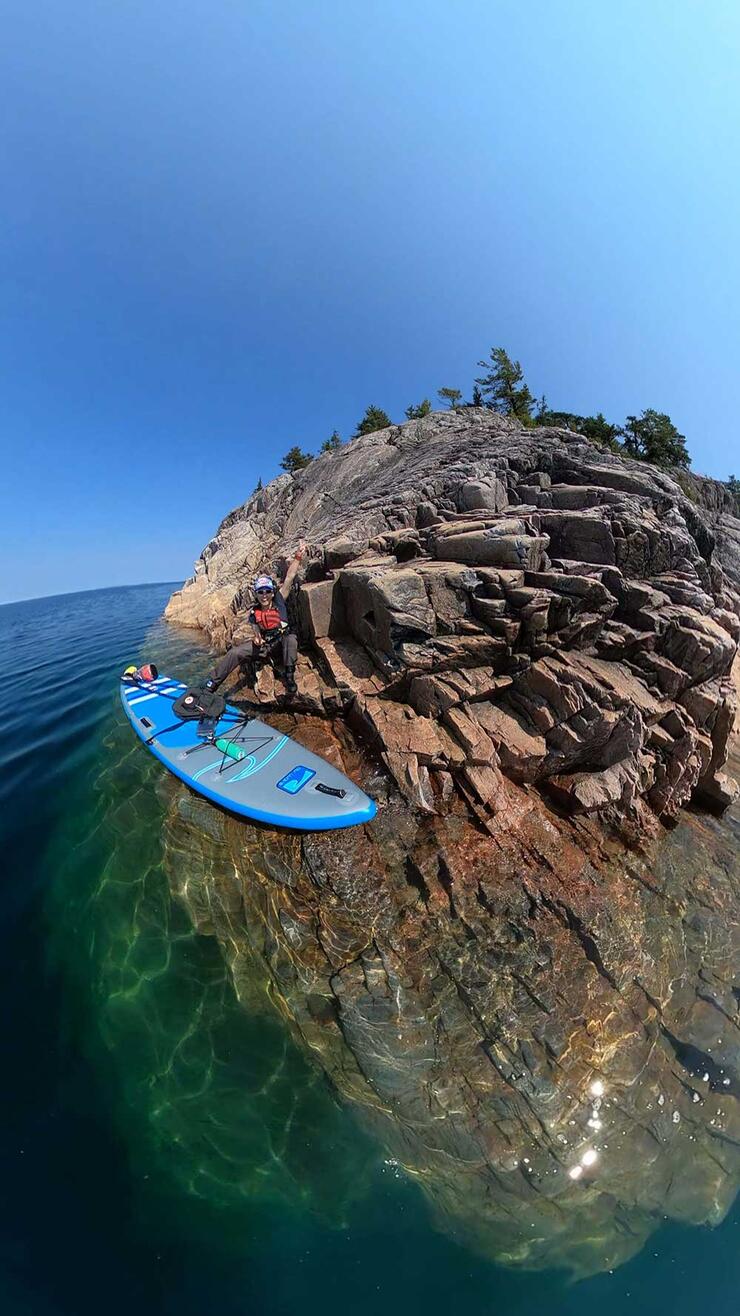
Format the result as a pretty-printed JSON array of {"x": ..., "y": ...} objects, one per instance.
[{"x": 96, "y": 589}]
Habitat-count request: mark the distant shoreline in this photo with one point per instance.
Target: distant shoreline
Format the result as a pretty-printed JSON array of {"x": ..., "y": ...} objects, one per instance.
[{"x": 99, "y": 589}]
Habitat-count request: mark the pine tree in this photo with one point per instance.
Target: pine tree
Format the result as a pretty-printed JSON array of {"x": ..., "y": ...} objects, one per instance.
[
  {"x": 295, "y": 460},
  {"x": 504, "y": 386},
  {"x": 652, "y": 437},
  {"x": 599, "y": 430},
  {"x": 258, "y": 486},
  {"x": 418, "y": 413},
  {"x": 450, "y": 395},
  {"x": 477, "y": 398},
  {"x": 332, "y": 443},
  {"x": 565, "y": 420},
  {"x": 596, "y": 428},
  {"x": 374, "y": 419}
]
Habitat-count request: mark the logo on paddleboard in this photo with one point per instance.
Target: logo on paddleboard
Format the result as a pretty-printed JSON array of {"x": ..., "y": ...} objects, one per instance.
[{"x": 295, "y": 780}]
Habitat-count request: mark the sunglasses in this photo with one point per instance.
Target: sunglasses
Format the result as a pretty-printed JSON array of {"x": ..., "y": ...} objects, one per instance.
[{"x": 264, "y": 591}]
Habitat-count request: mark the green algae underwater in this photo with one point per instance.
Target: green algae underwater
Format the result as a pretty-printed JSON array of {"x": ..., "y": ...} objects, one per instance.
[{"x": 162, "y": 1145}]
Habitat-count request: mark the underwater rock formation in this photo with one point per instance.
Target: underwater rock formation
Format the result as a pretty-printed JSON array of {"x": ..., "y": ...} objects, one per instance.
[
  {"x": 522, "y": 646},
  {"x": 540, "y": 1026}
]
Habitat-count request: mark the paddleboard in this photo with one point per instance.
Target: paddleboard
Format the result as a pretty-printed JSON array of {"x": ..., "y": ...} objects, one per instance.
[{"x": 245, "y": 766}]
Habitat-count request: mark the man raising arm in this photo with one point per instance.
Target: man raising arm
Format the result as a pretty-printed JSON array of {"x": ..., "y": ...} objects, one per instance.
[{"x": 270, "y": 630}]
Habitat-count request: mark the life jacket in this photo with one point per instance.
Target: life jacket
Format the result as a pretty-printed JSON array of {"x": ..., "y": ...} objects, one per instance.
[{"x": 271, "y": 619}]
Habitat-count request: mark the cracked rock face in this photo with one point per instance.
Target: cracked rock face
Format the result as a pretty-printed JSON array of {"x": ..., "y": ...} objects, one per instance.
[
  {"x": 561, "y": 615},
  {"x": 523, "y": 647}
]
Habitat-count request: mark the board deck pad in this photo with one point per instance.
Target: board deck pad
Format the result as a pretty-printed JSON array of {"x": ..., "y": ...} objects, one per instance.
[{"x": 248, "y": 768}]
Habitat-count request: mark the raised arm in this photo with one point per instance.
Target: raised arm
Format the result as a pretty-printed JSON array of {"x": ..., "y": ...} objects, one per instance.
[{"x": 290, "y": 574}]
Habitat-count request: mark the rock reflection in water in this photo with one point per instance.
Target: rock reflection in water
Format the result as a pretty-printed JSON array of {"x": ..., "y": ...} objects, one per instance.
[{"x": 541, "y": 1024}]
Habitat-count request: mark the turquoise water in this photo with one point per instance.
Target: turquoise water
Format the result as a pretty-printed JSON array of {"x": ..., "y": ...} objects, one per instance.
[{"x": 162, "y": 1148}]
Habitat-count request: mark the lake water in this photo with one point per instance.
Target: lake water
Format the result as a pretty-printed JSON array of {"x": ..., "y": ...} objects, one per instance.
[{"x": 162, "y": 1149}]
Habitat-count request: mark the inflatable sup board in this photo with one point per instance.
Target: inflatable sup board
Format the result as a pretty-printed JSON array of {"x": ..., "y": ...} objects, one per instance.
[{"x": 241, "y": 763}]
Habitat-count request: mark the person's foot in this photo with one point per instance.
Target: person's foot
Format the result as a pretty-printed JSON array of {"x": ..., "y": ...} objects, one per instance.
[
  {"x": 210, "y": 685},
  {"x": 290, "y": 681}
]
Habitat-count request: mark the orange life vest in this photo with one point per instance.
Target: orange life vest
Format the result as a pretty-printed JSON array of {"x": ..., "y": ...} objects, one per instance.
[{"x": 268, "y": 620}]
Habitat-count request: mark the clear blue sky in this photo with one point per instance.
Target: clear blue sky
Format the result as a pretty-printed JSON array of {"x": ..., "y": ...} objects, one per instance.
[{"x": 226, "y": 227}]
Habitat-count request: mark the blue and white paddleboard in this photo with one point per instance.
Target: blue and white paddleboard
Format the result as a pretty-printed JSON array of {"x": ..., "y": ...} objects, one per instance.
[{"x": 247, "y": 767}]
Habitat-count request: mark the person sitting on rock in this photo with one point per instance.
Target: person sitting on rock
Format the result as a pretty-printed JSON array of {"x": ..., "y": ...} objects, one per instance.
[{"x": 270, "y": 632}]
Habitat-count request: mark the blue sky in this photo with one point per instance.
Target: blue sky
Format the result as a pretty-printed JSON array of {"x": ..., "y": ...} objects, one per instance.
[{"x": 228, "y": 227}]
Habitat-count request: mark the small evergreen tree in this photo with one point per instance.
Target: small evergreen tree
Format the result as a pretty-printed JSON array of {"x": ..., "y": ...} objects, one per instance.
[
  {"x": 477, "y": 398},
  {"x": 259, "y": 485},
  {"x": 565, "y": 420},
  {"x": 504, "y": 388},
  {"x": 451, "y": 396},
  {"x": 374, "y": 419},
  {"x": 418, "y": 413},
  {"x": 332, "y": 443},
  {"x": 596, "y": 428},
  {"x": 599, "y": 430},
  {"x": 652, "y": 437},
  {"x": 295, "y": 460}
]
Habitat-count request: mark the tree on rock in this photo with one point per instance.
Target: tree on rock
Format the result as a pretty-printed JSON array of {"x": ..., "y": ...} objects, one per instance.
[
  {"x": 374, "y": 419},
  {"x": 477, "y": 398},
  {"x": 503, "y": 387},
  {"x": 418, "y": 413},
  {"x": 596, "y": 428},
  {"x": 295, "y": 459},
  {"x": 332, "y": 443},
  {"x": 600, "y": 430},
  {"x": 451, "y": 396},
  {"x": 652, "y": 437},
  {"x": 258, "y": 486}
]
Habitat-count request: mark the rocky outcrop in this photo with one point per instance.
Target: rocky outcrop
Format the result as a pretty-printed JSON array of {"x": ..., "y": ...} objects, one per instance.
[
  {"x": 522, "y": 647},
  {"x": 517, "y": 602}
]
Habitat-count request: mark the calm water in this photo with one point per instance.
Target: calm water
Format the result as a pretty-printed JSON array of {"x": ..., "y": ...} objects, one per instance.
[{"x": 162, "y": 1150}]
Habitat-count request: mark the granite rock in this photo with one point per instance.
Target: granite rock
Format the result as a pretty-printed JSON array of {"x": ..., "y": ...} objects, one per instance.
[{"x": 524, "y": 648}]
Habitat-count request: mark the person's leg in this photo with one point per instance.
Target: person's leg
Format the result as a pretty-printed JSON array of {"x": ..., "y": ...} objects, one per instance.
[
  {"x": 240, "y": 655},
  {"x": 290, "y": 650},
  {"x": 290, "y": 657}
]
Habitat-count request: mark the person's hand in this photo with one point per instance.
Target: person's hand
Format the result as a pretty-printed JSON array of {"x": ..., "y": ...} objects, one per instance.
[
  {"x": 257, "y": 639},
  {"x": 300, "y": 551}
]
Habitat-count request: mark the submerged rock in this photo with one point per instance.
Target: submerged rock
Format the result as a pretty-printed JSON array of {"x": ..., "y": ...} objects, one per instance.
[
  {"x": 537, "y": 1022},
  {"x": 522, "y": 647}
]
